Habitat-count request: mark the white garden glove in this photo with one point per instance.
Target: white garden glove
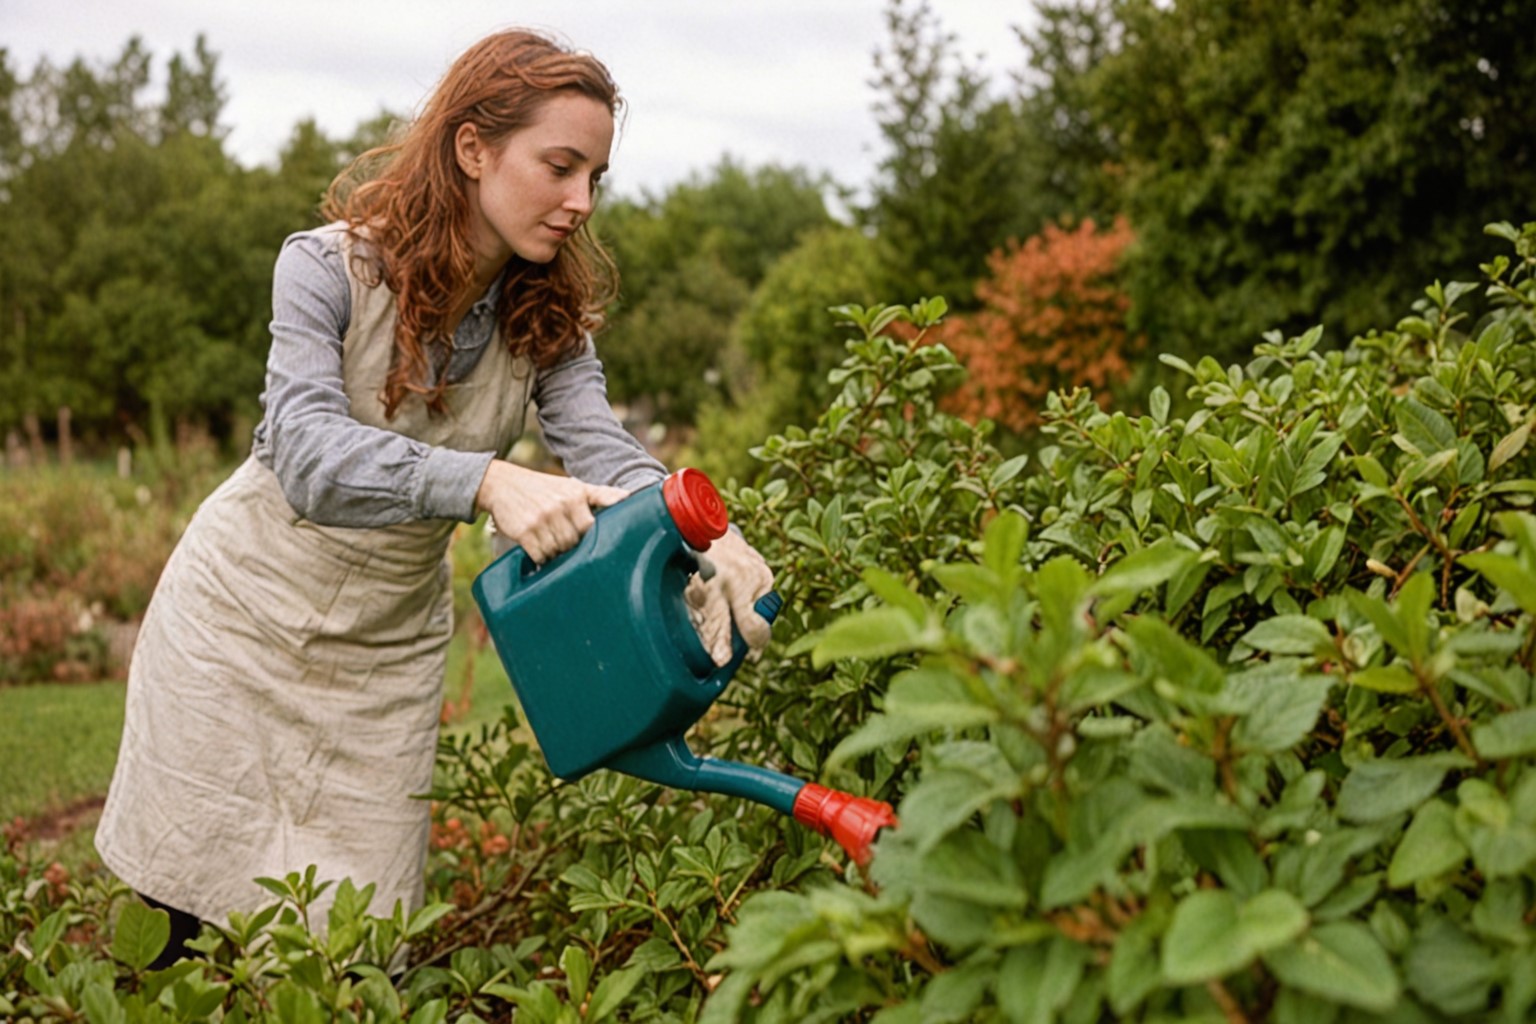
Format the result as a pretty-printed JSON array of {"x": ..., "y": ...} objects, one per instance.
[{"x": 731, "y": 577}]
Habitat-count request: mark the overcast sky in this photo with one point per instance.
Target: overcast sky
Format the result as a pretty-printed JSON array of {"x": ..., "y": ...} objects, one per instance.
[{"x": 783, "y": 81}]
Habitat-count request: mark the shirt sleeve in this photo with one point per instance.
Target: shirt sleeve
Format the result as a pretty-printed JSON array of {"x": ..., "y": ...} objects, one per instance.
[
  {"x": 581, "y": 429},
  {"x": 334, "y": 470}
]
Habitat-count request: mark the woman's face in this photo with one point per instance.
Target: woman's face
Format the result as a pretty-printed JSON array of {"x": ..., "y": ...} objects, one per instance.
[{"x": 531, "y": 193}]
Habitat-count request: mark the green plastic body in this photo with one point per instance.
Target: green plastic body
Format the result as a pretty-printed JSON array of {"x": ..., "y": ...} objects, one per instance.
[{"x": 605, "y": 660}]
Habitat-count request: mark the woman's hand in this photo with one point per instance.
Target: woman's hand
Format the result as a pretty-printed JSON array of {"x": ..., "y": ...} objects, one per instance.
[
  {"x": 740, "y": 578},
  {"x": 542, "y": 513}
]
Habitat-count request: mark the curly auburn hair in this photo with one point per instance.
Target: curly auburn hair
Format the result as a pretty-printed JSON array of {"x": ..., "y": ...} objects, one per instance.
[{"x": 410, "y": 201}]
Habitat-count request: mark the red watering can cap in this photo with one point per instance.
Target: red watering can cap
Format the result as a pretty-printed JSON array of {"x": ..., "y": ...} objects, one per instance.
[{"x": 696, "y": 507}]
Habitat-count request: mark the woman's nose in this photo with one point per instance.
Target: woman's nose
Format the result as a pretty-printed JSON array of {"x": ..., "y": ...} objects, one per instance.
[{"x": 579, "y": 199}]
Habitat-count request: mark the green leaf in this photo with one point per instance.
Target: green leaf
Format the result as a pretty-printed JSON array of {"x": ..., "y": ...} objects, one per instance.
[
  {"x": 434, "y": 1011},
  {"x": 1414, "y": 601},
  {"x": 1341, "y": 961},
  {"x": 1501, "y": 845},
  {"x": 1289, "y": 634},
  {"x": 1511, "y": 734},
  {"x": 1426, "y": 429},
  {"x": 920, "y": 701},
  {"x": 1370, "y": 470},
  {"x": 1380, "y": 789},
  {"x": 1323, "y": 553},
  {"x": 1393, "y": 678},
  {"x": 1450, "y": 970},
  {"x": 1003, "y": 544},
  {"x": 1280, "y": 713},
  {"x": 1429, "y": 848},
  {"x": 876, "y": 633},
  {"x": 890, "y": 589},
  {"x": 1212, "y": 935},
  {"x": 1134, "y": 972},
  {"x": 1317, "y": 460},
  {"x": 1384, "y": 618},
  {"x": 1508, "y": 574},
  {"x": 1142, "y": 570},
  {"x": 142, "y": 934},
  {"x": 611, "y": 992},
  {"x": 972, "y": 777},
  {"x": 100, "y": 1005},
  {"x": 967, "y": 580},
  {"x": 1035, "y": 982},
  {"x": 1007, "y": 471},
  {"x": 424, "y": 918},
  {"x": 576, "y": 964},
  {"x": 1174, "y": 659},
  {"x": 1509, "y": 446},
  {"x": 1200, "y": 944},
  {"x": 1269, "y": 920},
  {"x": 953, "y": 996}
]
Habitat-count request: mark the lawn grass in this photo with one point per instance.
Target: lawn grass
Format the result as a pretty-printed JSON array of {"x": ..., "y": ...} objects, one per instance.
[{"x": 58, "y": 744}]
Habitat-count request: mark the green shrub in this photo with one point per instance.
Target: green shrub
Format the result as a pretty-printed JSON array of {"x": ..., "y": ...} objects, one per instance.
[{"x": 1233, "y": 720}]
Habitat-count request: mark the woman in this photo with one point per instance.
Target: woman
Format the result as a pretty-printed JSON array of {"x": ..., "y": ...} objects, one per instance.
[{"x": 284, "y": 695}]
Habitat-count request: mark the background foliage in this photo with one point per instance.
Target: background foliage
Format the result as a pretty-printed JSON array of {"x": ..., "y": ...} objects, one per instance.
[{"x": 1053, "y": 316}]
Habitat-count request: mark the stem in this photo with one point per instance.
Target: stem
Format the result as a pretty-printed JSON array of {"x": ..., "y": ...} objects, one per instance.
[
  {"x": 1221, "y": 754},
  {"x": 677, "y": 940},
  {"x": 1527, "y": 649},
  {"x": 1462, "y": 742},
  {"x": 1407, "y": 570},
  {"x": 917, "y": 950},
  {"x": 1422, "y": 530},
  {"x": 1229, "y": 1006}
]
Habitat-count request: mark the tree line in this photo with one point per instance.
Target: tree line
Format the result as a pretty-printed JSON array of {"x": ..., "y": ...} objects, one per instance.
[{"x": 1271, "y": 166}]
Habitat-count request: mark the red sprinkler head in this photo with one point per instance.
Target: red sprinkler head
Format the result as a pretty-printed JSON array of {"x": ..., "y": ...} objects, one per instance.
[{"x": 853, "y": 821}]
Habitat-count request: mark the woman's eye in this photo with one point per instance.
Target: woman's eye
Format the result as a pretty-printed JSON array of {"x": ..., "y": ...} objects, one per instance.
[{"x": 560, "y": 170}]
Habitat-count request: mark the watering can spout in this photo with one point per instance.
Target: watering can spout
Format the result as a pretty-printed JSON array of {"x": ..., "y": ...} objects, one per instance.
[
  {"x": 670, "y": 762},
  {"x": 853, "y": 822}
]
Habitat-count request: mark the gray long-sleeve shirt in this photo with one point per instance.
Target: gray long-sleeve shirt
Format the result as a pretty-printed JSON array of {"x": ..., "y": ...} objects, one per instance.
[{"x": 338, "y": 472}]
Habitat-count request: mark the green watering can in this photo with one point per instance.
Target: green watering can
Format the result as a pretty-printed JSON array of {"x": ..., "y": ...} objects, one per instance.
[{"x": 611, "y": 673}]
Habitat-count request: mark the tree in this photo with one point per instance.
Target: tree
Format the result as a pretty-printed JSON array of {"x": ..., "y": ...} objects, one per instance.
[
  {"x": 786, "y": 327},
  {"x": 688, "y": 260},
  {"x": 948, "y": 190},
  {"x": 1291, "y": 161},
  {"x": 782, "y": 347},
  {"x": 1071, "y": 163},
  {"x": 135, "y": 254},
  {"x": 194, "y": 96},
  {"x": 1052, "y": 318}
]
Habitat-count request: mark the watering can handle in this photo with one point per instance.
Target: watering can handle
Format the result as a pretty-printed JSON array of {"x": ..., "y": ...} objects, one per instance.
[{"x": 768, "y": 607}]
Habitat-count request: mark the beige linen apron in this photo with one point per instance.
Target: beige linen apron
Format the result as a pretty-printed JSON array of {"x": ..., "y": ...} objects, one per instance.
[{"x": 284, "y": 695}]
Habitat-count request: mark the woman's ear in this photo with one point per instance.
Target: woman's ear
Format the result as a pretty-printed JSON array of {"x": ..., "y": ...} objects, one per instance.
[{"x": 469, "y": 150}]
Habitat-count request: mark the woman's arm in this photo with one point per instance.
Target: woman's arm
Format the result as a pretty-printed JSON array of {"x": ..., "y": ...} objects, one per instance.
[
  {"x": 581, "y": 429},
  {"x": 333, "y": 469}
]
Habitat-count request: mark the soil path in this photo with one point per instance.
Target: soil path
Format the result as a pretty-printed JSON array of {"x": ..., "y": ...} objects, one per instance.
[{"x": 58, "y": 824}]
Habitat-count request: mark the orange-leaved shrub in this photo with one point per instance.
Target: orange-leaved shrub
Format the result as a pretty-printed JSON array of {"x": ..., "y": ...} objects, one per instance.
[{"x": 1052, "y": 318}]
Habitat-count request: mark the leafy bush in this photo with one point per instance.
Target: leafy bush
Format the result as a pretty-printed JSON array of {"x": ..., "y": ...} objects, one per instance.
[
  {"x": 1232, "y": 721},
  {"x": 884, "y": 479},
  {"x": 1052, "y": 318}
]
